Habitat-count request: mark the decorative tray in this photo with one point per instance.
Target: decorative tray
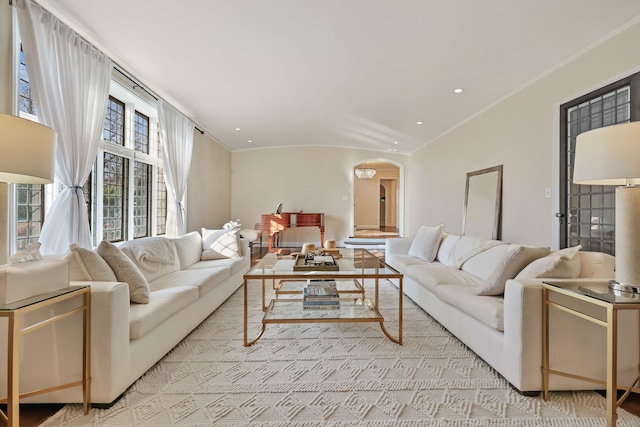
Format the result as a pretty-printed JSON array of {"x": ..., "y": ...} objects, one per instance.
[{"x": 317, "y": 263}]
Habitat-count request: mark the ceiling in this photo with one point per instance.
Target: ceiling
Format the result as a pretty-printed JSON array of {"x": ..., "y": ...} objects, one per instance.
[{"x": 348, "y": 73}]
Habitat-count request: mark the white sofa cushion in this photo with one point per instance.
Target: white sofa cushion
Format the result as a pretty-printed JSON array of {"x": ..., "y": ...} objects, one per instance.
[
  {"x": 516, "y": 258},
  {"x": 447, "y": 243},
  {"x": 235, "y": 265},
  {"x": 426, "y": 242},
  {"x": 204, "y": 280},
  {"x": 87, "y": 265},
  {"x": 162, "y": 304},
  {"x": 400, "y": 262},
  {"x": 154, "y": 256},
  {"x": 561, "y": 264},
  {"x": 434, "y": 274},
  {"x": 220, "y": 244},
  {"x": 189, "y": 248},
  {"x": 487, "y": 309},
  {"x": 125, "y": 271}
]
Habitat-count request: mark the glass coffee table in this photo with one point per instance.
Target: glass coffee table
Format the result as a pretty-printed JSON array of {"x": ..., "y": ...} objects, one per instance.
[{"x": 282, "y": 283}]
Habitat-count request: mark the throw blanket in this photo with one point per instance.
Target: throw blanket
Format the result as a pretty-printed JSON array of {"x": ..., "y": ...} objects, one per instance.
[{"x": 153, "y": 253}]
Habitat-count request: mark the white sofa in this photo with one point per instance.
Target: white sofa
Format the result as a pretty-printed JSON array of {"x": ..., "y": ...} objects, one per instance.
[
  {"x": 127, "y": 339},
  {"x": 506, "y": 330}
]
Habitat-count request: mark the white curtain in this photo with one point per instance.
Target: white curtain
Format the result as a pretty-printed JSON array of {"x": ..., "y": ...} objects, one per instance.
[
  {"x": 70, "y": 81},
  {"x": 176, "y": 136}
]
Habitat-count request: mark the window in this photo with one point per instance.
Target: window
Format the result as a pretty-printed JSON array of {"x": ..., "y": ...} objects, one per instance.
[
  {"x": 125, "y": 194},
  {"x": 141, "y": 200},
  {"x": 161, "y": 204},
  {"x": 29, "y": 197},
  {"x": 26, "y": 104},
  {"x": 141, "y": 132},
  {"x": 29, "y": 214},
  {"x": 129, "y": 164},
  {"x": 114, "y": 199},
  {"x": 113, "y": 129},
  {"x": 587, "y": 212}
]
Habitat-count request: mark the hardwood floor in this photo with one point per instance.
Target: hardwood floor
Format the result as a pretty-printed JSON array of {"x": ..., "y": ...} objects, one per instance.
[{"x": 32, "y": 415}]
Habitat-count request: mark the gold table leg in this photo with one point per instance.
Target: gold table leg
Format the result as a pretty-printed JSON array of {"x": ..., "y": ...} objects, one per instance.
[{"x": 612, "y": 370}]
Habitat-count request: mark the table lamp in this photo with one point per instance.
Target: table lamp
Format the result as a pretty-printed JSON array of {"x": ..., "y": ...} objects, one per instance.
[
  {"x": 611, "y": 156},
  {"x": 27, "y": 156}
]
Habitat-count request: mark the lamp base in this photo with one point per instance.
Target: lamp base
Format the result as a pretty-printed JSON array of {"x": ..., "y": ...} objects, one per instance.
[{"x": 623, "y": 287}]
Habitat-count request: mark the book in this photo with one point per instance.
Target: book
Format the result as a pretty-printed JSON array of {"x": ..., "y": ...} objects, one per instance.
[
  {"x": 321, "y": 289},
  {"x": 311, "y": 306}
]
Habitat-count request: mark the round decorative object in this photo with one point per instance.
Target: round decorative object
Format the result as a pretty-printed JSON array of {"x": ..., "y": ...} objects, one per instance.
[
  {"x": 308, "y": 247},
  {"x": 329, "y": 244}
]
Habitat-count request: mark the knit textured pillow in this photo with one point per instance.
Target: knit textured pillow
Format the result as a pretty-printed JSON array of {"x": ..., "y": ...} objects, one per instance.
[
  {"x": 426, "y": 242},
  {"x": 125, "y": 271}
]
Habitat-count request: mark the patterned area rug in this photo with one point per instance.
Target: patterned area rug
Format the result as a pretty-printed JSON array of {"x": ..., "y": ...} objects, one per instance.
[{"x": 331, "y": 375}]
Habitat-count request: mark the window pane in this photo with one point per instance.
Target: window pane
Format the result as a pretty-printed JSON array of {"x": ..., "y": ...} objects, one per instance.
[
  {"x": 113, "y": 129},
  {"x": 114, "y": 199},
  {"x": 161, "y": 205},
  {"x": 141, "y": 199},
  {"x": 141, "y": 132},
  {"x": 26, "y": 97},
  {"x": 30, "y": 214}
]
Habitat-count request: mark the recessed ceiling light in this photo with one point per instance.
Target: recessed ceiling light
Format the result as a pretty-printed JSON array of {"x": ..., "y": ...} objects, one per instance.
[
  {"x": 458, "y": 90},
  {"x": 395, "y": 142},
  {"x": 237, "y": 128},
  {"x": 419, "y": 123},
  {"x": 249, "y": 141}
]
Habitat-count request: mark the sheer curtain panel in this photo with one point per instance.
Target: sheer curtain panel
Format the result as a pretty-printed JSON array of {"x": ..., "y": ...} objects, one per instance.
[
  {"x": 176, "y": 136},
  {"x": 70, "y": 81}
]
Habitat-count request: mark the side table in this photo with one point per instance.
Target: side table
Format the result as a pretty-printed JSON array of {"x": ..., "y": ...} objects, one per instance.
[
  {"x": 14, "y": 313},
  {"x": 597, "y": 294}
]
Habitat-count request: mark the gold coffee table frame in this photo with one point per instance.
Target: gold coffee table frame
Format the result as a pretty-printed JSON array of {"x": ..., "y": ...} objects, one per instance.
[
  {"x": 598, "y": 294},
  {"x": 14, "y": 313},
  {"x": 365, "y": 266}
]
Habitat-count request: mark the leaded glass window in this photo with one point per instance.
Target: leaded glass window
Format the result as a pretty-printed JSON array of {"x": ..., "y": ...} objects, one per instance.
[
  {"x": 141, "y": 199},
  {"x": 114, "y": 198}
]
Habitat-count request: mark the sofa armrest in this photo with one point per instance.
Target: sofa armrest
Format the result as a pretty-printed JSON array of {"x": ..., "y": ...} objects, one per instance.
[
  {"x": 244, "y": 248},
  {"x": 398, "y": 245},
  {"x": 109, "y": 339}
]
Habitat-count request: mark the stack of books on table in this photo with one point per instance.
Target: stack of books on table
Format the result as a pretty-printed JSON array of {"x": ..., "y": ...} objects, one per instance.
[{"x": 320, "y": 295}]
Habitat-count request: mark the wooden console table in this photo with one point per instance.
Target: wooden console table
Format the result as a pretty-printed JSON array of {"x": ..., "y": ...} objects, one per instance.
[{"x": 272, "y": 224}]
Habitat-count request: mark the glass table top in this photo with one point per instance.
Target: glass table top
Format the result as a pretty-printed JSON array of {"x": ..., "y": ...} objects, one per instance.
[
  {"x": 599, "y": 290},
  {"x": 351, "y": 263}
]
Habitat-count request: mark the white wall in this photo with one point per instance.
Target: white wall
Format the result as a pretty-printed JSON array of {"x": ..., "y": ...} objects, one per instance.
[
  {"x": 209, "y": 185},
  {"x": 520, "y": 133},
  {"x": 312, "y": 179}
]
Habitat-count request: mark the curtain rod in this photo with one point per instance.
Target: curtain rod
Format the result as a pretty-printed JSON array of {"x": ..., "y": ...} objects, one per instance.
[{"x": 137, "y": 85}]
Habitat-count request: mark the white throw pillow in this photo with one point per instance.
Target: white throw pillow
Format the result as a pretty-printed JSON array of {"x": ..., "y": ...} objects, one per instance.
[
  {"x": 125, "y": 271},
  {"x": 85, "y": 264},
  {"x": 220, "y": 244},
  {"x": 447, "y": 243},
  {"x": 562, "y": 264},
  {"x": 426, "y": 242},
  {"x": 515, "y": 259}
]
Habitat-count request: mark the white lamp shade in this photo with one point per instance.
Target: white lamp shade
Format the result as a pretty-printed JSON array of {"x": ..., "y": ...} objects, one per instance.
[
  {"x": 27, "y": 151},
  {"x": 608, "y": 155}
]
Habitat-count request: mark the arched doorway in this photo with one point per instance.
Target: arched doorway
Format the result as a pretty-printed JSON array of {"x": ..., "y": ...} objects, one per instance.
[{"x": 377, "y": 201}]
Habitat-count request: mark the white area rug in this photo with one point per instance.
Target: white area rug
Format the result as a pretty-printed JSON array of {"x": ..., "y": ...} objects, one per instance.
[{"x": 332, "y": 375}]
